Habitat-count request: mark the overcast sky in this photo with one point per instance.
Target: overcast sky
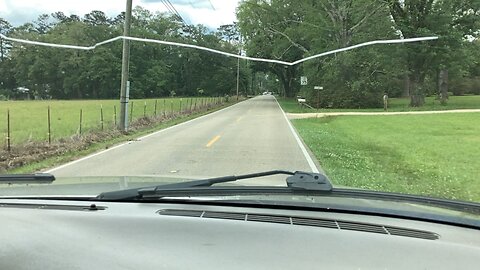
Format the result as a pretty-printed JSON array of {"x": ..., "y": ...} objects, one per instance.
[{"x": 211, "y": 13}]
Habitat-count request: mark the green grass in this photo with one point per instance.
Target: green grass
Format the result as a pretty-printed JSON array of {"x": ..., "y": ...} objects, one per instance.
[
  {"x": 28, "y": 119},
  {"x": 434, "y": 155},
  {"x": 290, "y": 105},
  {"x": 72, "y": 154}
]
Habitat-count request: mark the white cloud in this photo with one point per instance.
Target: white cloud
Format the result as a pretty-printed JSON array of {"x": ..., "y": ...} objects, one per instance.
[{"x": 194, "y": 11}]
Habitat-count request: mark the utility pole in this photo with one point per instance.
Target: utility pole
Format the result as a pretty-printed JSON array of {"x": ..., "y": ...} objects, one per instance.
[
  {"x": 238, "y": 66},
  {"x": 238, "y": 75},
  {"x": 123, "y": 123}
]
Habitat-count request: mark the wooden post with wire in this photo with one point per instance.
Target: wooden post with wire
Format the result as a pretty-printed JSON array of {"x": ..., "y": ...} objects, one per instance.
[
  {"x": 8, "y": 131},
  {"x": 101, "y": 115},
  {"x": 115, "y": 115},
  {"x": 145, "y": 109},
  {"x": 155, "y": 111},
  {"x": 49, "y": 127},
  {"x": 164, "y": 107},
  {"x": 80, "y": 126}
]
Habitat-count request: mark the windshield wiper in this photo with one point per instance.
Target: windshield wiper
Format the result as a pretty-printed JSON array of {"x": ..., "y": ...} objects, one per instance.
[
  {"x": 296, "y": 181},
  {"x": 37, "y": 178}
]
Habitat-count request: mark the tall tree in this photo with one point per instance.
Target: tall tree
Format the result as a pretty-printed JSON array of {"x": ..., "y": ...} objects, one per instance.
[{"x": 451, "y": 20}]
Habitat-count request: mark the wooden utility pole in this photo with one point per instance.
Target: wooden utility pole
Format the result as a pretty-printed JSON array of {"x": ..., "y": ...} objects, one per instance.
[{"x": 125, "y": 59}]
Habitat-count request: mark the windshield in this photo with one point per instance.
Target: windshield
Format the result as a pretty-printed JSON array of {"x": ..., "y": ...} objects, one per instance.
[{"x": 112, "y": 95}]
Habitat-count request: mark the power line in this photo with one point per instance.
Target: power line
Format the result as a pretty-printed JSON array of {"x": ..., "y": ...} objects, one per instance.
[
  {"x": 164, "y": 2},
  {"x": 173, "y": 10},
  {"x": 195, "y": 6},
  {"x": 211, "y": 4}
]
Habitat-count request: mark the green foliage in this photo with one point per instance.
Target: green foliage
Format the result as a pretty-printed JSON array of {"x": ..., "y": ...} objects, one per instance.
[
  {"x": 289, "y": 30},
  {"x": 270, "y": 31},
  {"x": 155, "y": 70}
]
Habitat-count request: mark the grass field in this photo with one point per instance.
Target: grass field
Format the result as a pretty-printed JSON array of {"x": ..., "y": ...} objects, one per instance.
[
  {"x": 395, "y": 105},
  {"x": 28, "y": 119},
  {"x": 435, "y": 155}
]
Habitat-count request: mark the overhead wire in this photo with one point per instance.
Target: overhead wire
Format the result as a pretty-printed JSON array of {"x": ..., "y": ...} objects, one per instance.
[
  {"x": 391, "y": 41},
  {"x": 171, "y": 8},
  {"x": 211, "y": 4}
]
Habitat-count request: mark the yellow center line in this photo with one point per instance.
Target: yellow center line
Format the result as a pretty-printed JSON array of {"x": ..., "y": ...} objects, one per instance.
[
  {"x": 239, "y": 118},
  {"x": 213, "y": 141}
]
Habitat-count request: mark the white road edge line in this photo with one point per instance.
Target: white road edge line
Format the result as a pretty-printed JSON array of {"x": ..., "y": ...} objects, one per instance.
[
  {"x": 141, "y": 138},
  {"x": 309, "y": 159}
]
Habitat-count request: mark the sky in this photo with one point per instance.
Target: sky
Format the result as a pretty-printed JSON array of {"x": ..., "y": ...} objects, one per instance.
[{"x": 211, "y": 13}]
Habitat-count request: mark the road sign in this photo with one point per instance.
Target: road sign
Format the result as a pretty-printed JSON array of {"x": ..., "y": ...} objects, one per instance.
[
  {"x": 303, "y": 80},
  {"x": 318, "y": 87}
]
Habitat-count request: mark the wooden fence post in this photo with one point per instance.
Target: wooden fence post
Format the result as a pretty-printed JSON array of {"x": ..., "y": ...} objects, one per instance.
[
  {"x": 101, "y": 115},
  {"x": 155, "y": 113},
  {"x": 164, "y": 107},
  {"x": 8, "y": 131},
  {"x": 80, "y": 126},
  {"x": 145, "y": 109},
  {"x": 115, "y": 115},
  {"x": 49, "y": 127}
]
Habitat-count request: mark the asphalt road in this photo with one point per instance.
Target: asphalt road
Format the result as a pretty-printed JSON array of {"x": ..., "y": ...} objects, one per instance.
[{"x": 248, "y": 137}]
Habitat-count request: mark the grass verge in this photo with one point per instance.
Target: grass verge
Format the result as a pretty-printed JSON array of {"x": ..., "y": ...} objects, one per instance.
[
  {"x": 433, "y": 155},
  {"x": 290, "y": 105}
]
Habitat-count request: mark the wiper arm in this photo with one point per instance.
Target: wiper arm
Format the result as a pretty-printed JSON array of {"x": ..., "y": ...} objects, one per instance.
[
  {"x": 296, "y": 181},
  {"x": 37, "y": 178},
  {"x": 211, "y": 181}
]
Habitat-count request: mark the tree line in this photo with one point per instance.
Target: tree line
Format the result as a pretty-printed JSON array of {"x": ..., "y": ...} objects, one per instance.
[
  {"x": 293, "y": 29},
  {"x": 155, "y": 70},
  {"x": 286, "y": 30}
]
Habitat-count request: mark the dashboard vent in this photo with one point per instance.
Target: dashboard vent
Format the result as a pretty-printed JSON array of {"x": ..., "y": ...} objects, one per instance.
[
  {"x": 182, "y": 213},
  {"x": 304, "y": 221},
  {"x": 411, "y": 233},
  {"x": 269, "y": 218}
]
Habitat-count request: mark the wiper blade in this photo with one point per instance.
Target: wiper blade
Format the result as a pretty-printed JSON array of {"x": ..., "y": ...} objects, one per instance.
[
  {"x": 211, "y": 181},
  {"x": 296, "y": 181},
  {"x": 37, "y": 178}
]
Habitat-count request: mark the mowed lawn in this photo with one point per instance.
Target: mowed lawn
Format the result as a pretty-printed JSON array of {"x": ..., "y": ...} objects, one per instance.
[
  {"x": 29, "y": 121},
  {"x": 290, "y": 105},
  {"x": 433, "y": 155}
]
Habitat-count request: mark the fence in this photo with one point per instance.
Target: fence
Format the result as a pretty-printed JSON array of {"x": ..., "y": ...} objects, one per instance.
[{"x": 50, "y": 120}]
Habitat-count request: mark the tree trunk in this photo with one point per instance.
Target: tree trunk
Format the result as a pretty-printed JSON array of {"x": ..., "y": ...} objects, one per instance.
[
  {"x": 406, "y": 89},
  {"x": 443, "y": 86},
  {"x": 287, "y": 77},
  {"x": 417, "y": 98},
  {"x": 285, "y": 84},
  {"x": 79, "y": 93},
  {"x": 1, "y": 50}
]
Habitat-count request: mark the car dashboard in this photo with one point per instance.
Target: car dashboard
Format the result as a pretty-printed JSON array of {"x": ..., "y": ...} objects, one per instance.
[{"x": 58, "y": 234}]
